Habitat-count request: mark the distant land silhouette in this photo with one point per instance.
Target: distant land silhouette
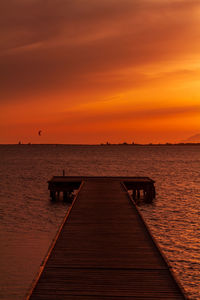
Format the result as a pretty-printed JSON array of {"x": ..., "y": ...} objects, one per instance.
[
  {"x": 151, "y": 144},
  {"x": 193, "y": 139}
]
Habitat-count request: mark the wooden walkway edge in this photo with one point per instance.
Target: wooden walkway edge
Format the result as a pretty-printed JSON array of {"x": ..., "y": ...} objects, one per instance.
[{"x": 104, "y": 250}]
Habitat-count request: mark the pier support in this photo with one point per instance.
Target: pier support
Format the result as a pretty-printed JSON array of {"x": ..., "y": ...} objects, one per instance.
[
  {"x": 141, "y": 190},
  {"x": 134, "y": 194},
  {"x": 53, "y": 195},
  {"x": 61, "y": 184},
  {"x": 149, "y": 194},
  {"x": 68, "y": 196}
]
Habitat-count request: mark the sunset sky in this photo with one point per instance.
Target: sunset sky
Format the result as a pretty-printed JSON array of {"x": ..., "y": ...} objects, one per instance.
[{"x": 92, "y": 71}]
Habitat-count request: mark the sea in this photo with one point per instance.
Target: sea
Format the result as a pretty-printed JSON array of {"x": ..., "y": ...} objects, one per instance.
[{"x": 29, "y": 221}]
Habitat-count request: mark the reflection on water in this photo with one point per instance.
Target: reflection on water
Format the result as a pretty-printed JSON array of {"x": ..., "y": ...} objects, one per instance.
[{"x": 29, "y": 221}]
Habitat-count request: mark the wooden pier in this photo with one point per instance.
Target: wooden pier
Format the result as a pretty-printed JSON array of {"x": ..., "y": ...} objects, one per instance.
[
  {"x": 139, "y": 186},
  {"x": 103, "y": 249}
]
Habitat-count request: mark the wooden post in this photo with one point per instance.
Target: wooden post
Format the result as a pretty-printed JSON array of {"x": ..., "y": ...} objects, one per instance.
[
  {"x": 149, "y": 194},
  {"x": 144, "y": 193},
  {"x": 134, "y": 194},
  {"x": 53, "y": 195},
  {"x": 65, "y": 196}
]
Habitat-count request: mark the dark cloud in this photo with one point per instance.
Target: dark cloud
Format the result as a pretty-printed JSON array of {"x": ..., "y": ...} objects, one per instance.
[{"x": 52, "y": 45}]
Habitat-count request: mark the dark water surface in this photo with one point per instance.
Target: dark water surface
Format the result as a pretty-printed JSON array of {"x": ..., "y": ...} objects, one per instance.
[{"x": 29, "y": 221}]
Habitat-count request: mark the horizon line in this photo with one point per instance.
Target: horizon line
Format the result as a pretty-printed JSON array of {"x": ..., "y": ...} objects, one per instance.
[{"x": 101, "y": 144}]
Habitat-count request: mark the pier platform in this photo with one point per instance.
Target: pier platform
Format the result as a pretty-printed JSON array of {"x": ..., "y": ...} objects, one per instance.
[
  {"x": 140, "y": 187},
  {"x": 104, "y": 250}
]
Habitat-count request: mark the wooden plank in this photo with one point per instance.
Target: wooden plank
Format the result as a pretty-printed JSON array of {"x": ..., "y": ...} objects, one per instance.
[
  {"x": 104, "y": 251},
  {"x": 117, "y": 282}
]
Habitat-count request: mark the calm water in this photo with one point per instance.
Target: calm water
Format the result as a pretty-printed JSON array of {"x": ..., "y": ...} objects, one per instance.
[{"x": 29, "y": 221}]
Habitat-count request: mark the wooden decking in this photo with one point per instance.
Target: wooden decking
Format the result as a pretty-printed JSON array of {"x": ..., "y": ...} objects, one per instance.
[
  {"x": 67, "y": 184},
  {"x": 104, "y": 251}
]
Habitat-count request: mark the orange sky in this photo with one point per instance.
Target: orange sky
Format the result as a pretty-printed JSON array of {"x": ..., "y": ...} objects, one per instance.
[{"x": 88, "y": 71}]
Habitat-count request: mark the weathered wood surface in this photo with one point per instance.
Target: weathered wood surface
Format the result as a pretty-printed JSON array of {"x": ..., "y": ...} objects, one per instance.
[{"x": 104, "y": 251}]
